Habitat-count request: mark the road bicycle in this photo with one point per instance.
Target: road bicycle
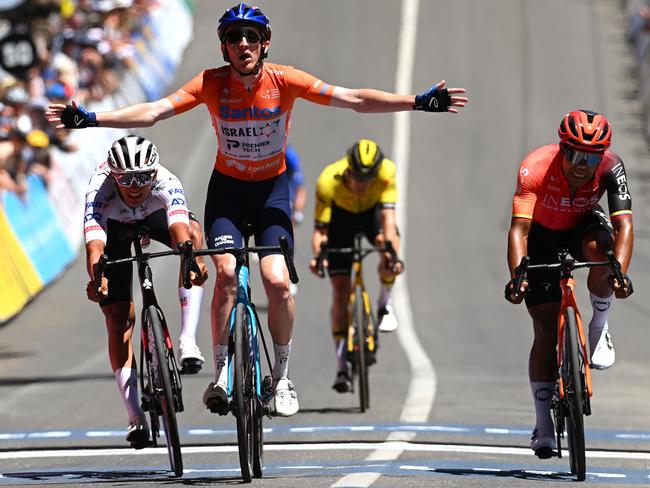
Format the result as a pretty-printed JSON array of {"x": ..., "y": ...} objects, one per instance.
[
  {"x": 250, "y": 393},
  {"x": 361, "y": 338},
  {"x": 573, "y": 390},
  {"x": 160, "y": 382}
]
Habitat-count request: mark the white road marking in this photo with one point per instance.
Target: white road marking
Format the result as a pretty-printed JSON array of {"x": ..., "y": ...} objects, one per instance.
[
  {"x": 422, "y": 386},
  {"x": 379, "y": 452}
]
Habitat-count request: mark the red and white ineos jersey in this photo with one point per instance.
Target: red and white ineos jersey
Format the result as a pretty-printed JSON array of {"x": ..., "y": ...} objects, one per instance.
[{"x": 543, "y": 194}]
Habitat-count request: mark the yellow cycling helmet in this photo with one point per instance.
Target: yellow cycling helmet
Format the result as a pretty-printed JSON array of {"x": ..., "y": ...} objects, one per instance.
[{"x": 364, "y": 159}]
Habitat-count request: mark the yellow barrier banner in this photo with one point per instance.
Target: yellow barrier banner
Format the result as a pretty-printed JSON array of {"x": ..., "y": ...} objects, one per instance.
[{"x": 19, "y": 280}]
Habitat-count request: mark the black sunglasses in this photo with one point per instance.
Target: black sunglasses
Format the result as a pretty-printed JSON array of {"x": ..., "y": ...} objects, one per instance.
[
  {"x": 234, "y": 35},
  {"x": 580, "y": 157},
  {"x": 141, "y": 179}
]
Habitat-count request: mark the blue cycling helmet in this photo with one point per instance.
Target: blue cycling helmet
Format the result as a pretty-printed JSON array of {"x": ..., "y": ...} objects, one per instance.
[{"x": 244, "y": 15}]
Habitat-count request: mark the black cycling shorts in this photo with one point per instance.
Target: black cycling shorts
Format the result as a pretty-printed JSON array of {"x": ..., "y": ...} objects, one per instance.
[
  {"x": 263, "y": 205},
  {"x": 543, "y": 243},
  {"x": 120, "y": 277},
  {"x": 342, "y": 228}
]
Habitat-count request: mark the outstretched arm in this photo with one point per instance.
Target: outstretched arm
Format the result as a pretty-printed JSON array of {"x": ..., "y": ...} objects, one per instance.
[
  {"x": 367, "y": 100},
  {"x": 138, "y": 115}
]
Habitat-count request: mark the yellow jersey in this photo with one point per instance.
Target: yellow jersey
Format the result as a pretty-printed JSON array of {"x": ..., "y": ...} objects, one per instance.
[{"x": 332, "y": 191}]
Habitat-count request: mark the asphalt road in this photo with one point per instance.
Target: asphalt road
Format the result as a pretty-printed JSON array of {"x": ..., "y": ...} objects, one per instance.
[{"x": 524, "y": 64}]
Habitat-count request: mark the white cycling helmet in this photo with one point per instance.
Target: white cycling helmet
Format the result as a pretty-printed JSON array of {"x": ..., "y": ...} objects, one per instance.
[{"x": 132, "y": 154}]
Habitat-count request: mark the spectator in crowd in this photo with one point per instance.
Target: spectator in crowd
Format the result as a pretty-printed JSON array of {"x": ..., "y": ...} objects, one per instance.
[{"x": 82, "y": 47}]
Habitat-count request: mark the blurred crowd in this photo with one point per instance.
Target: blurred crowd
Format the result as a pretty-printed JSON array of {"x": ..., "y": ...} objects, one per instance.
[
  {"x": 638, "y": 16},
  {"x": 82, "y": 46}
]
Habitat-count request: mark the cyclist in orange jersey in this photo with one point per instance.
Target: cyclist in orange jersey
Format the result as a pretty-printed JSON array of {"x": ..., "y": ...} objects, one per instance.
[
  {"x": 250, "y": 102},
  {"x": 556, "y": 206}
]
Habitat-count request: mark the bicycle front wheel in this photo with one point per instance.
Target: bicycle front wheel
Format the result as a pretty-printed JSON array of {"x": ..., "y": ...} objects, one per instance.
[
  {"x": 574, "y": 392},
  {"x": 361, "y": 338},
  {"x": 244, "y": 392},
  {"x": 163, "y": 386},
  {"x": 258, "y": 440}
]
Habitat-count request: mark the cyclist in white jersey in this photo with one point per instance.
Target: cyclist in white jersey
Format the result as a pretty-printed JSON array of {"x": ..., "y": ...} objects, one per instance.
[{"x": 131, "y": 188}]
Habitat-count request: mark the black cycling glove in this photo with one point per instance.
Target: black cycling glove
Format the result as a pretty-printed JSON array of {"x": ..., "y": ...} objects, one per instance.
[
  {"x": 433, "y": 100},
  {"x": 78, "y": 118}
]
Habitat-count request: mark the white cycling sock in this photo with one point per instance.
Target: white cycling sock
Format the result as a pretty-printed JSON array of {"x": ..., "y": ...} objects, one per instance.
[
  {"x": 190, "y": 312},
  {"x": 281, "y": 365},
  {"x": 220, "y": 355},
  {"x": 598, "y": 323},
  {"x": 341, "y": 354},
  {"x": 384, "y": 295},
  {"x": 127, "y": 382},
  {"x": 542, "y": 395}
]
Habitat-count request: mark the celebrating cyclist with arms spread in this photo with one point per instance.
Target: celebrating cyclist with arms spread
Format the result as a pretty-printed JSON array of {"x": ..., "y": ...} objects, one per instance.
[
  {"x": 250, "y": 104},
  {"x": 132, "y": 188},
  {"x": 556, "y": 206},
  {"x": 356, "y": 194}
]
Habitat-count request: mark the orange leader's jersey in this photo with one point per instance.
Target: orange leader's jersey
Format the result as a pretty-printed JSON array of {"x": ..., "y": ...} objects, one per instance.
[
  {"x": 543, "y": 194},
  {"x": 252, "y": 127}
]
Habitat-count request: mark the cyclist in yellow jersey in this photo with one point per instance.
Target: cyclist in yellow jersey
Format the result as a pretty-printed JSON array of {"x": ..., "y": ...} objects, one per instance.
[{"x": 356, "y": 194}]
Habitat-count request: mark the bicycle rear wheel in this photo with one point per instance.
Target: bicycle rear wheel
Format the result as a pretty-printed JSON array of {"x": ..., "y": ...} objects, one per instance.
[
  {"x": 574, "y": 391},
  {"x": 163, "y": 386},
  {"x": 361, "y": 331},
  {"x": 244, "y": 392}
]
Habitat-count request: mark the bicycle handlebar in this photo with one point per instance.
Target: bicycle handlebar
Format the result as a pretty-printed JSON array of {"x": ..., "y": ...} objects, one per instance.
[
  {"x": 362, "y": 252},
  {"x": 569, "y": 264},
  {"x": 104, "y": 262},
  {"x": 189, "y": 253}
]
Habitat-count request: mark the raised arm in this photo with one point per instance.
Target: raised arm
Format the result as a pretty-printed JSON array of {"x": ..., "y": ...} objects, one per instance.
[
  {"x": 139, "y": 115},
  {"x": 368, "y": 100}
]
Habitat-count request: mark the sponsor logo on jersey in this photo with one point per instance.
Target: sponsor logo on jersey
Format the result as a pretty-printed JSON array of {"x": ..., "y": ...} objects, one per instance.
[
  {"x": 619, "y": 174},
  {"x": 270, "y": 94},
  {"x": 566, "y": 203},
  {"x": 175, "y": 191},
  {"x": 95, "y": 204},
  {"x": 266, "y": 130},
  {"x": 248, "y": 113}
]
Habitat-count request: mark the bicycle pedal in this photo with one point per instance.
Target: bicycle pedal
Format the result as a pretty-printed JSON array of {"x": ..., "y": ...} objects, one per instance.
[
  {"x": 144, "y": 402},
  {"x": 219, "y": 409},
  {"x": 191, "y": 366},
  {"x": 142, "y": 444},
  {"x": 266, "y": 410},
  {"x": 545, "y": 453}
]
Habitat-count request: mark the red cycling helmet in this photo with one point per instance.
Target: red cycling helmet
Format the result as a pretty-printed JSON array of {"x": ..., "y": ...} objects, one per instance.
[{"x": 587, "y": 131}]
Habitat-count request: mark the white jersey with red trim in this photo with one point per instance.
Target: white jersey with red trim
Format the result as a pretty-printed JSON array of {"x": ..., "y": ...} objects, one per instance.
[{"x": 103, "y": 202}]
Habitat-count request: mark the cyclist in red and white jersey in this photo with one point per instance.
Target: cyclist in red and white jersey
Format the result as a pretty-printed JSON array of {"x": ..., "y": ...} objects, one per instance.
[
  {"x": 131, "y": 188},
  {"x": 555, "y": 205},
  {"x": 250, "y": 103}
]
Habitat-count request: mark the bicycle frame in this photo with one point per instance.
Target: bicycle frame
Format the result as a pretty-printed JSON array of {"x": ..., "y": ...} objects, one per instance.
[
  {"x": 567, "y": 285},
  {"x": 249, "y": 423},
  {"x": 149, "y": 298},
  {"x": 357, "y": 281},
  {"x": 243, "y": 297}
]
